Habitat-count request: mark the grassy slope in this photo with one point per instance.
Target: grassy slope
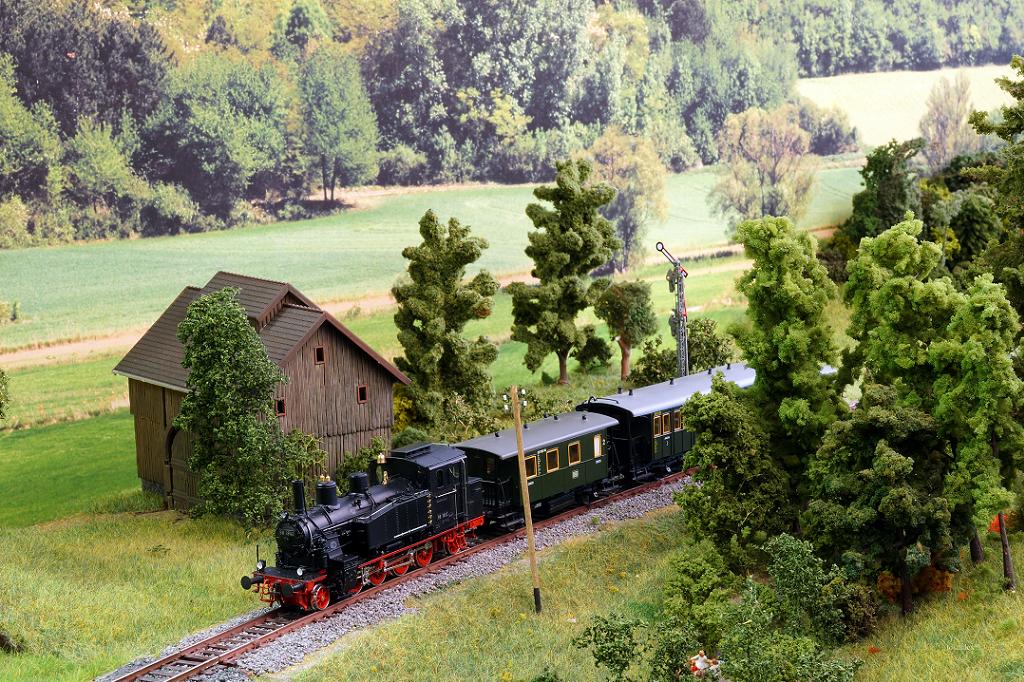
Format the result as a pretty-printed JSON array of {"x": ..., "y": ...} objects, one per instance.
[
  {"x": 53, "y": 471},
  {"x": 91, "y": 289},
  {"x": 485, "y": 629},
  {"x": 74, "y": 390},
  {"x": 872, "y": 99}
]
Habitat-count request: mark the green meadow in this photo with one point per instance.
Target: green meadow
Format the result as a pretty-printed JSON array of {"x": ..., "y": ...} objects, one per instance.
[{"x": 93, "y": 289}]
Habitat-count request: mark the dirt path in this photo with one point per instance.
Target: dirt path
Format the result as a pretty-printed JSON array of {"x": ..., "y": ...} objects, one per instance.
[{"x": 81, "y": 350}]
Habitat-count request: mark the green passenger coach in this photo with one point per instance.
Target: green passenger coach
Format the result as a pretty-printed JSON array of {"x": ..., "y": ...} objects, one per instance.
[{"x": 566, "y": 456}]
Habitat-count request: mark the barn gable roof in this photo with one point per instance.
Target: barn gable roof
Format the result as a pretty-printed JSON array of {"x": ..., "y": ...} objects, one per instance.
[{"x": 284, "y": 317}]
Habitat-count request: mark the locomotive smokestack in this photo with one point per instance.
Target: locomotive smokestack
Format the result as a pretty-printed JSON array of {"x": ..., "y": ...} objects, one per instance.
[
  {"x": 327, "y": 493},
  {"x": 299, "y": 496}
]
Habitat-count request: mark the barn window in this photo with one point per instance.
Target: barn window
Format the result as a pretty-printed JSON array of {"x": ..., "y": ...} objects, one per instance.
[
  {"x": 318, "y": 355},
  {"x": 531, "y": 466},
  {"x": 279, "y": 407},
  {"x": 361, "y": 393},
  {"x": 574, "y": 453},
  {"x": 552, "y": 460}
]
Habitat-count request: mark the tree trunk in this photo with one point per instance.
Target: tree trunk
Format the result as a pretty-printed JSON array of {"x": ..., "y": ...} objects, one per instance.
[
  {"x": 563, "y": 368},
  {"x": 977, "y": 551},
  {"x": 1010, "y": 577},
  {"x": 906, "y": 594},
  {"x": 624, "y": 365},
  {"x": 323, "y": 176}
]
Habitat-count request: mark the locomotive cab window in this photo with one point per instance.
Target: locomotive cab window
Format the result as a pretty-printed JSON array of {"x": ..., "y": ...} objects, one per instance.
[
  {"x": 531, "y": 466},
  {"x": 552, "y": 459},
  {"x": 361, "y": 393},
  {"x": 574, "y": 453},
  {"x": 279, "y": 407},
  {"x": 318, "y": 355}
]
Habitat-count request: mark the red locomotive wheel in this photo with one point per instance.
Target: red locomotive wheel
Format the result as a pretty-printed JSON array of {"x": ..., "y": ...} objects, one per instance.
[
  {"x": 355, "y": 590},
  {"x": 400, "y": 569},
  {"x": 320, "y": 598},
  {"x": 377, "y": 577},
  {"x": 424, "y": 556}
]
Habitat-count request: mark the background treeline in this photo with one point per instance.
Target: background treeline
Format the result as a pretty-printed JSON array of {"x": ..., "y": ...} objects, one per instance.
[{"x": 156, "y": 117}]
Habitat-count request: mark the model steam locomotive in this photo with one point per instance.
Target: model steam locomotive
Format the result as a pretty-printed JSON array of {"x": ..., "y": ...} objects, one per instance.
[{"x": 432, "y": 498}]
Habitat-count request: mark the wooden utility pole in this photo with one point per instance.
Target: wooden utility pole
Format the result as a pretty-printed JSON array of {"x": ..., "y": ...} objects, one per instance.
[
  {"x": 524, "y": 486},
  {"x": 1009, "y": 577}
]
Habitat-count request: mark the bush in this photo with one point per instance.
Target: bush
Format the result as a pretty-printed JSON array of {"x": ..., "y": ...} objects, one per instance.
[
  {"x": 14, "y": 224},
  {"x": 594, "y": 353},
  {"x": 169, "y": 210},
  {"x": 362, "y": 460},
  {"x": 834, "y": 253},
  {"x": 613, "y": 642},
  {"x": 52, "y": 225},
  {"x": 403, "y": 165},
  {"x": 408, "y": 436},
  {"x": 657, "y": 363},
  {"x": 830, "y": 129},
  {"x": 697, "y": 591}
]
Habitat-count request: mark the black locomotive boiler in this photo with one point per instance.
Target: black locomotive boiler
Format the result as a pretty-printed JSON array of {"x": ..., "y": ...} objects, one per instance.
[{"x": 425, "y": 503}]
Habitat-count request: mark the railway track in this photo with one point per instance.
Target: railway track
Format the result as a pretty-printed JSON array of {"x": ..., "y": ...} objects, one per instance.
[{"x": 223, "y": 648}]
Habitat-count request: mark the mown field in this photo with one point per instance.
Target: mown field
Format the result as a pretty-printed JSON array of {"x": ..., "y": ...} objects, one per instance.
[
  {"x": 890, "y": 105},
  {"x": 84, "y": 290}
]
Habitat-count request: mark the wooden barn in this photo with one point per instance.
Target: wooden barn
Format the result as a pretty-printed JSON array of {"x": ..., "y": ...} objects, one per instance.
[{"x": 338, "y": 388}]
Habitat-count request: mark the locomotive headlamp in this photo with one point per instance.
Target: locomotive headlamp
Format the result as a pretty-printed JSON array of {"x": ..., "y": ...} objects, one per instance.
[
  {"x": 260, "y": 565},
  {"x": 299, "y": 571}
]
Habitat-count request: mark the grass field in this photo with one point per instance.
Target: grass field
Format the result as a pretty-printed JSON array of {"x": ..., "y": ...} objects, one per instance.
[
  {"x": 890, "y": 105},
  {"x": 45, "y": 394},
  {"x": 52, "y": 471},
  {"x": 85, "y": 290}
]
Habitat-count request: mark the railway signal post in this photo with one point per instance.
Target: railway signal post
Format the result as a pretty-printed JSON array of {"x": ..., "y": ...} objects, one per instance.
[
  {"x": 524, "y": 486},
  {"x": 677, "y": 283}
]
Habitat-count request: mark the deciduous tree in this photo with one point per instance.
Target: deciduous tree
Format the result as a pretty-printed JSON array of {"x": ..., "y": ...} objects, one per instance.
[
  {"x": 570, "y": 240},
  {"x": 340, "y": 127},
  {"x": 708, "y": 347},
  {"x": 30, "y": 149},
  {"x": 890, "y": 190},
  {"x": 99, "y": 171},
  {"x": 434, "y": 306},
  {"x": 242, "y": 459},
  {"x": 944, "y": 126},
  {"x": 626, "y": 308},
  {"x": 5, "y": 395},
  {"x": 766, "y": 171},
  {"x": 632, "y": 167}
]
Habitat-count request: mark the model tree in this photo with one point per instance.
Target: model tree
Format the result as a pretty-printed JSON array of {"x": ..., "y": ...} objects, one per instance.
[
  {"x": 434, "y": 306},
  {"x": 5, "y": 395},
  {"x": 626, "y": 308},
  {"x": 944, "y": 126},
  {"x": 242, "y": 459},
  {"x": 788, "y": 340},
  {"x": 572, "y": 238},
  {"x": 890, "y": 190}
]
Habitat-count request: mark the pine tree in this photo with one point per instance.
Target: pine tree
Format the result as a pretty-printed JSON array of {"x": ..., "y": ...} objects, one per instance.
[
  {"x": 434, "y": 305},
  {"x": 571, "y": 239}
]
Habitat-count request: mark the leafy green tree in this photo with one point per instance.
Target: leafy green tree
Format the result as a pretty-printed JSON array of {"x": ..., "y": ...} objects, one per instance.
[
  {"x": 30, "y": 149},
  {"x": 741, "y": 496},
  {"x": 242, "y": 460},
  {"x": 570, "y": 240},
  {"x": 897, "y": 311},
  {"x": 302, "y": 23},
  {"x": 5, "y": 395},
  {"x": 657, "y": 363},
  {"x": 626, "y": 308},
  {"x": 99, "y": 172},
  {"x": 890, "y": 190},
  {"x": 434, "y": 306},
  {"x": 974, "y": 225},
  {"x": 788, "y": 340},
  {"x": 1007, "y": 177},
  {"x": 708, "y": 347},
  {"x": 876, "y": 483},
  {"x": 632, "y": 167},
  {"x": 613, "y": 641},
  {"x": 766, "y": 169},
  {"x": 944, "y": 126},
  {"x": 222, "y": 124},
  {"x": 340, "y": 127}
]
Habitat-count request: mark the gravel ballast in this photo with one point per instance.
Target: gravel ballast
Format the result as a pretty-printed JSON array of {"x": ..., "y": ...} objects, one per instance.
[{"x": 292, "y": 648}]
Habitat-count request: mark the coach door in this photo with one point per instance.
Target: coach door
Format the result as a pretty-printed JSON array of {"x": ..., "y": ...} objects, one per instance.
[{"x": 661, "y": 435}]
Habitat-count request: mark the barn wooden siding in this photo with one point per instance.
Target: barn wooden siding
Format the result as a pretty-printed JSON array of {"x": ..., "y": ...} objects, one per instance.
[
  {"x": 154, "y": 409},
  {"x": 322, "y": 399}
]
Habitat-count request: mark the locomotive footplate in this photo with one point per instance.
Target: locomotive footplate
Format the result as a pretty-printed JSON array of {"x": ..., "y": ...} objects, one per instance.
[{"x": 292, "y": 587}]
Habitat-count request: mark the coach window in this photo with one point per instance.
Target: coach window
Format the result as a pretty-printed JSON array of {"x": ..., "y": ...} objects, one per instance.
[
  {"x": 552, "y": 460},
  {"x": 318, "y": 355},
  {"x": 666, "y": 423},
  {"x": 657, "y": 424},
  {"x": 597, "y": 446},
  {"x": 361, "y": 393},
  {"x": 574, "y": 453},
  {"x": 677, "y": 420},
  {"x": 531, "y": 466},
  {"x": 279, "y": 407}
]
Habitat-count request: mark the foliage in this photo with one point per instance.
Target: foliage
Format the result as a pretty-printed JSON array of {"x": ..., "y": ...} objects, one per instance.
[
  {"x": 302, "y": 23},
  {"x": 788, "y": 341},
  {"x": 5, "y": 395},
  {"x": 220, "y": 127},
  {"x": 408, "y": 436},
  {"x": 696, "y": 591},
  {"x": 99, "y": 172},
  {"x": 242, "y": 459},
  {"x": 402, "y": 165},
  {"x": 801, "y": 587},
  {"x": 570, "y": 240},
  {"x": 14, "y": 219},
  {"x": 626, "y": 308},
  {"x": 890, "y": 190},
  {"x": 974, "y": 225},
  {"x": 434, "y": 306},
  {"x": 708, "y": 347},
  {"x": 741, "y": 494},
  {"x": 631, "y": 167},
  {"x": 593, "y": 352},
  {"x": 766, "y": 169},
  {"x": 363, "y": 459},
  {"x": 944, "y": 127},
  {"x": 169, "y": 210},
  {"x": 340, "y": 128},
  {"x": 657, "y": 363},
  {"x": 613, "y": 642},
  {"x": 830, "y": 131}
]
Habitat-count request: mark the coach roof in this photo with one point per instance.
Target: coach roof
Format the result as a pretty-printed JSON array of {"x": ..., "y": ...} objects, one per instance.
[{"x": 540, "y": 434}]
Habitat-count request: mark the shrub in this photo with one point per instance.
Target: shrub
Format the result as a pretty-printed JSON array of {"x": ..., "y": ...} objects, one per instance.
[
  {"x": 14, "y": 224},
  {"x": 403, "y": 165},
  {"x": 697, "y": 591},
  {"x": 169, "y": 210},
  {"x": 594, "y": 353},
  {"x": 613, "y": 643},
  {"x": 657, "y": 363},
  {"x": 408, "y": 436},
  {"x": 830, "y": 129},
  {"x": 52, "y": 225},
  {"x": 362, "y": 460}
]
